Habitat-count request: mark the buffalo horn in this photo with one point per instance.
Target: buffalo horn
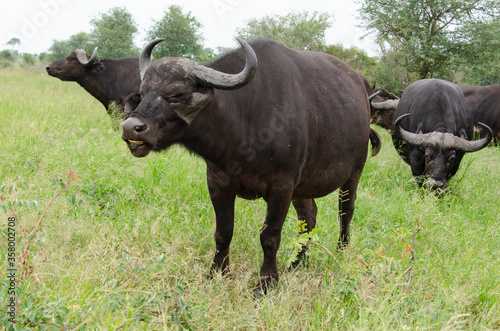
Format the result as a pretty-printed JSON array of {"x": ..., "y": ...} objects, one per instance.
[
  {"x": 412, "y": 138},
  {"x": 448, "y": 140},
  {"x": 387, "y": 104},
  {"x": 213, "y": 78},
  {"x": 473, "y": 146},
  {"x": 370, "y": 98},
  {"x": 145, "y": 58},
  {"x": 82, "y": 57}
]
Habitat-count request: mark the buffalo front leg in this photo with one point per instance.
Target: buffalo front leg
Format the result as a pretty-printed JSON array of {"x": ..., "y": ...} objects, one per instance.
[
  {"x": 223, "y": 204},
  {"x": 347, "y": 198},
  {"x": 306, "y": 212},
  {"x": 278, "y": 202}
]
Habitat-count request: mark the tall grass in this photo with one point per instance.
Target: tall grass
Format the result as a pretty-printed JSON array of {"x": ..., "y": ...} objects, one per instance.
[{"x": 128, "y": 243}]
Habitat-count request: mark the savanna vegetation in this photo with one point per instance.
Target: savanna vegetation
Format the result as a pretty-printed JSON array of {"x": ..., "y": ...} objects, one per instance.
[
  {"x": 449, "y": 39},
  {"x": 452, "y": 40},
  {"x": 106, "y": 241}
]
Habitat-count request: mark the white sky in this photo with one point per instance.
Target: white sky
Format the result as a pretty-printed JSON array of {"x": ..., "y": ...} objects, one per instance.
[{"x": 38, "y": 22}]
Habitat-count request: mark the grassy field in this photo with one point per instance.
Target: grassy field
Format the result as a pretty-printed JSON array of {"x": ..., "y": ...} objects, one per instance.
[{"x": 106, "y": 241}]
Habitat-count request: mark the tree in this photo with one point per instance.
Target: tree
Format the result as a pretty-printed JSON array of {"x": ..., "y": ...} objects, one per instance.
[
  {"x": 13, "y": 42},
  {"x": 354, "y": 57},
  {"x": 426, "y": 34},
  {"x": 301, "y": 31},
  {"x": 479, "y": 64},
  {"x": 389, "y": 74},
  {"x": 181, "y": 33},
  {"x": 206, "y": 55},
  {"x": 62, "y": 48},
  {"x": 113, "y": 32}
]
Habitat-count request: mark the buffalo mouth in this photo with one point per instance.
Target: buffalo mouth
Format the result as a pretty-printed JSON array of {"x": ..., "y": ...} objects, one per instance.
[
  {"x": 57, "y": 75},
  {"x": 435, "y": 184},
  {"x": 138, "y": 148},
  {"x": 52, "y": 73},
  {"x": 432, "y": 184}
]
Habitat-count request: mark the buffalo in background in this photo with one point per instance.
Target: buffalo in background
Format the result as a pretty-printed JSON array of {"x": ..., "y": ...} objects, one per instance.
[
  {"x": 485, "y": 105},
  {"x": 109, "y": 80},
  {"x": 483, "y": 100},
  {"x": 433, "y": 126},
  {"x": 382, "y": 106},
  {"x": 294, "y": 129}
]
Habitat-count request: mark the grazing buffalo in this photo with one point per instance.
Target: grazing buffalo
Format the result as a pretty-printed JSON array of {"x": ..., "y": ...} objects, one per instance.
[
  {"x": 432, "y": 130},
  {"x": 108, "y": 80},
  {"x": 485, "y": 105},
  {"x": 295, "y": 129},
  {"x": 382, "y": 106}
]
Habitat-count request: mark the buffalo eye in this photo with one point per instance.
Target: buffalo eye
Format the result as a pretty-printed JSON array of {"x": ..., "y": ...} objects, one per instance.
[
  {"x": 451, "y": 159},
  {"x": 180, "y": 97},
  {"x": 428, "y": 155},
  {"x": 131, "y": 103}
]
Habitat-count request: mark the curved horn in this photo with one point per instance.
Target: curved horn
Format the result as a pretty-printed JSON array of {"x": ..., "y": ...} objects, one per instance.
[
  {"x": 387, "y": 104},
  {"x": 145, "y": 58},
  {"x": 447, "y": 140},
  {"x": 473, "y": 146},
  {"x": 213, "y": 78},
  {"x": 81, "y": 55},
  {"x": 370, "y": 98},
  {"x": 412, "y": 138}
]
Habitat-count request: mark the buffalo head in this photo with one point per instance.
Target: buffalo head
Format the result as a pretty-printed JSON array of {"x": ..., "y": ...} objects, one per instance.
[
  {"x": 382, "y": 106},
  {"x": 173, "y": 92},
  {"x": 382, "y": 110},
  {"x": 73, "y": 67},
  {"x": 434, "y": 157}
]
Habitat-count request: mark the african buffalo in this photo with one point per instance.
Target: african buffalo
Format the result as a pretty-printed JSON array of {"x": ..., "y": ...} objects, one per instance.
[
  {"x": 382, "y": 106},
  {"x": 108, "y": 80},
  {"x": 295, "y": 129},
  {"x": 485, "y": 105},
  {"x": 432, "y": 130}
]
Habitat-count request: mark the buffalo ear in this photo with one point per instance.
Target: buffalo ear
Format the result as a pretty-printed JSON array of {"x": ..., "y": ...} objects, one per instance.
[
  {"x": 131, "y": 103},
  {"x": 189, "y": 110},
  {"x": 97, "y": 66}
]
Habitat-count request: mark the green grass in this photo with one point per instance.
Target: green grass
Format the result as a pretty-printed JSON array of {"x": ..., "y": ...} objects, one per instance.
[{"x": 128, "y": 244}]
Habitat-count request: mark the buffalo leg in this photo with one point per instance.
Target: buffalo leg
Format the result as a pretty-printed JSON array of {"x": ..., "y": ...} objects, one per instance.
[
  {"x": 306, "y": 211},
  {"x": 278, "y": 202},
  {"x": 347, "y": 197},
  {"x": 223, "y": 204}
]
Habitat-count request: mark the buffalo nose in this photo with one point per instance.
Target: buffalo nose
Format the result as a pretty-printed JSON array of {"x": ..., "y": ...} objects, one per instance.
[
  {"x": 140, "y": 128},
  {"x": 134, "y": 124},
  {"x": 438, "y": 184},
  {"x": 47, "y": 68}
]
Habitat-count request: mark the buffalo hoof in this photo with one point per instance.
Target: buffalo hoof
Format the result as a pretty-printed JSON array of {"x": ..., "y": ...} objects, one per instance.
[
  {"x": 341, "y": 245},
  {"x": 266, "y": 284},
  {"x": 258, "y": 293}
]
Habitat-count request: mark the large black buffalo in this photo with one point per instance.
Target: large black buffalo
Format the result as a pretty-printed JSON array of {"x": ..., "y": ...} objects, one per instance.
[
  {"x": 485, "y": 105},
  {"x": 432, "y": 130},
  {"x": 108, "y": 80},
  {"x": 295, "y": 129}
]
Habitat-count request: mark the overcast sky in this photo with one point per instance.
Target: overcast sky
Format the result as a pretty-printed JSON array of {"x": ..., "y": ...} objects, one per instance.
[{"x": 38, "y": 22}]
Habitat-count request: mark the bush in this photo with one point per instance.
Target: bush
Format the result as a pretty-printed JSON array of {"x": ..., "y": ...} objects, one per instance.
[
  {"x": 6, "y": 58},
  {"x": 29, "y": 59}
]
